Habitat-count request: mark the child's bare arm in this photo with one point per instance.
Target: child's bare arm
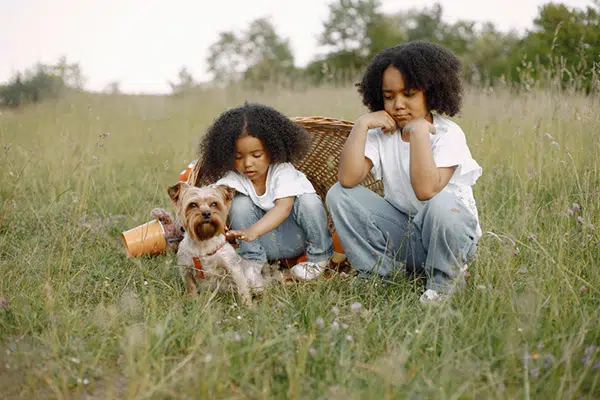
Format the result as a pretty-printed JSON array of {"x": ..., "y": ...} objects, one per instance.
[
  {"x": 354, "y": 166},
  {"x": 426, "y": 178},
  {"x": 271, "y": 220}
]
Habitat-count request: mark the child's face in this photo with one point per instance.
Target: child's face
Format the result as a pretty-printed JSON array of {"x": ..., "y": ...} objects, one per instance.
[
  {"x": 251, "y": 159},
  {"x": 402, "y": 104}
]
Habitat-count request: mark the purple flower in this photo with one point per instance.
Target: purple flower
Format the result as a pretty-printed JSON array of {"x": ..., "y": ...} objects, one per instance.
[
  {"x": 575, "y": 208},
  {"x": 3, "y": 303}
]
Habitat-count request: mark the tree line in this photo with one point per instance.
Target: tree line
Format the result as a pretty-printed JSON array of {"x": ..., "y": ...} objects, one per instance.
[
  {"x": 561, "y": 48},
  {"x": 563, "y": 44}
]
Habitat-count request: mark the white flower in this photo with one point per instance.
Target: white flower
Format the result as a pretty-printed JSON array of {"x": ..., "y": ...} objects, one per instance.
[
  {"x": 320, "y": 322},
  {"x": 356, "y": 307},
  {"x": 335, "y": 310}
]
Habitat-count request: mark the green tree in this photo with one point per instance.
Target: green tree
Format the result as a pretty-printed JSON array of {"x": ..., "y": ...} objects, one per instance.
[
  {"x": 225, "y": 59},
  {"x": 564, "y": 43},
  {"x": 268, "y": 56},
  {"x": 257, "y": 54},
  {"x": 185, "y": 82}
]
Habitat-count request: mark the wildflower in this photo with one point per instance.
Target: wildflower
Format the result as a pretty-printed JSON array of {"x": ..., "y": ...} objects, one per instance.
[
  {"x": 356, "y": 307},
  {"x": 208, "y": 358},
  {"x": 532, "y": 238},
  {"x": 75, "y": 360},
  {"x": 344, "y": 326},
  {"x": 535, "y": 372},
  {"x": 3, "y": 303},
  {"x": 570, "y": 213},
  {"x": 349, "y": 338},
  {"x": 312, "y": 351},
  {"x": 236, "y": 337},
  {"x": 145, "y": 283},
  {"x": 239, "y": 317},
  {"x": 523, "y": 270},
  {"x": 335, "y": 325},
  {"x": 580, "y": 219},
  {"x": 86, "y": 381},
  {"x": 575, "y": 207},
  {"x": 335, "y": 310},
  {"x": 320, "y": 322},
  {"x": 583, "y": 289}
]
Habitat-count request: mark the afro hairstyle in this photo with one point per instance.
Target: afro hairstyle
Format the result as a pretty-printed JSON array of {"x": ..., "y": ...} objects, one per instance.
[
  {"x": 424, "y": 66},
  {"x": 284, "y": 140}
]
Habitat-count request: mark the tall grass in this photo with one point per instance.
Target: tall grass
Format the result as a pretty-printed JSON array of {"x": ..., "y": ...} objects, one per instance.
[{"x": 83, "y": 321}]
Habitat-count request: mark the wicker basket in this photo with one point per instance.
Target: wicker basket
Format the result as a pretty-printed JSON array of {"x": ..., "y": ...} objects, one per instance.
[{"x": 321, "y": 163}]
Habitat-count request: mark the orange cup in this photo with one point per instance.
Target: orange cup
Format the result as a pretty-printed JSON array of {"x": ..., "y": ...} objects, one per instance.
[
  {"x": 148, "y": 238},
  {"x": 338, "y": 250}
]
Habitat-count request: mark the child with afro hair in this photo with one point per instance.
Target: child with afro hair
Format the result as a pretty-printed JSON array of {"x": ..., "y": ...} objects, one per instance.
[
  {"x": 276, "y": 212},
  {"x": 427, "y": 221}
]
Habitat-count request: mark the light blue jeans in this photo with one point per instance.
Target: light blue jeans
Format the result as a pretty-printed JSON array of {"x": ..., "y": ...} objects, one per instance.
[
  {"x": 379, "y": 238},
  {"x": 304, "y": 231}
]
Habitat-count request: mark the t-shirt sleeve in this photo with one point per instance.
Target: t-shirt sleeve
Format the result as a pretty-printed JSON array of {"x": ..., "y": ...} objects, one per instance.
[
  {"x": 287, "y": 181},
  {"x": 372, "y": 151},
  {"x": 450, "y": 149},
  {"x": 233, "y": 180}
]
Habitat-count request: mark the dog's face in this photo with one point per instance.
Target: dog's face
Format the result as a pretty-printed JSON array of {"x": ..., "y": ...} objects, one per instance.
[{"x": 202, "y": 211}]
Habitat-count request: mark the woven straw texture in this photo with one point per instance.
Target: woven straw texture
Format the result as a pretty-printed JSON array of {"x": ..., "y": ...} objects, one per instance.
[{"x": 321, "y": 163}]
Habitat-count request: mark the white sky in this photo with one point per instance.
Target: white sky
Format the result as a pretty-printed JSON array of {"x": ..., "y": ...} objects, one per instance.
[{"x": 144, "y": 43}]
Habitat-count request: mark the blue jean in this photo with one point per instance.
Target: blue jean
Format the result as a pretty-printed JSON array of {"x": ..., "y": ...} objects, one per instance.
[
  {"x": 379, "y": 238},
  {"x": 304, "y": 231}
]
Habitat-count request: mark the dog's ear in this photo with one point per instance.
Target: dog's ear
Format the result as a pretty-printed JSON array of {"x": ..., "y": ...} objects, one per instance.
[
  {"x": 176, "y": 190},
  {"x": 228, "y": 192}
]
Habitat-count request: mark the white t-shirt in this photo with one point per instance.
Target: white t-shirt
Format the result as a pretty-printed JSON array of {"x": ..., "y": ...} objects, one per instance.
[
  {"x": 283, "y": 180},
  {"x": 390, "y": 156}
]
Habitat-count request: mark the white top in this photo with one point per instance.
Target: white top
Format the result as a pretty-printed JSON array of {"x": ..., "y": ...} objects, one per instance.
[
  {"x": 283, "y": 180},
  {"x": 391, "y": 160}
]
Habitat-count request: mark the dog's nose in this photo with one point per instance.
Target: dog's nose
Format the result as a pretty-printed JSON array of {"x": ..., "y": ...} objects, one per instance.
[{"x": 206, "y": 214}]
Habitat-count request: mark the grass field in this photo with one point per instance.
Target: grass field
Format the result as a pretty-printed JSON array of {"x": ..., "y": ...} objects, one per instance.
[{"x": 80, "y": 320}]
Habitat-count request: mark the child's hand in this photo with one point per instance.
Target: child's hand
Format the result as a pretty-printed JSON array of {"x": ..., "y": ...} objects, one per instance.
[
  {"x": 379, "y": 119},
  {"x": 246, "y": 235},
  {"x": 418, "y": 126}
]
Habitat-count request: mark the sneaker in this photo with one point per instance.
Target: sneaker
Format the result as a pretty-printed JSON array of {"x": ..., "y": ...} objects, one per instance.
[
  {"x": 307, "y": 271},
  {"x": 432, "y": 297}
]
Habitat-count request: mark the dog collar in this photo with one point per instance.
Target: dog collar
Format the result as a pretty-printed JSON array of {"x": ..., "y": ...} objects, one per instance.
[{"x": 198, "y": 263}]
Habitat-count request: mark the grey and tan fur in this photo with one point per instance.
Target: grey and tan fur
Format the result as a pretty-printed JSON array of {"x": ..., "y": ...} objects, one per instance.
[{"x": 203, "y": 213}]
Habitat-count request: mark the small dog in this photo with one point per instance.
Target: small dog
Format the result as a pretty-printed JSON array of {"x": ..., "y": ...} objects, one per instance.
[{"x": 204, "y": 256}]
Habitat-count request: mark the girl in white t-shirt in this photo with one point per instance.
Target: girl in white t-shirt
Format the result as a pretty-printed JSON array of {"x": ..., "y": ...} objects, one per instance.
[
  {"x": 276, "y": 212},
  {"x": 427, "y": 222}
]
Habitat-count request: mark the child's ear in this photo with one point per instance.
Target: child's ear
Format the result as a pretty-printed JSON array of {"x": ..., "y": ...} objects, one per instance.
[
  {"x": 176, "y": 190},
  {"x": 228, "y": 192}
]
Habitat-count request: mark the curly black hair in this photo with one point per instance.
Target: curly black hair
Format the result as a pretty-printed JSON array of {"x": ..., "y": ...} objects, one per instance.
[
  {"x": 424, "y": 66},
  {"x": 284, "y": 140}
]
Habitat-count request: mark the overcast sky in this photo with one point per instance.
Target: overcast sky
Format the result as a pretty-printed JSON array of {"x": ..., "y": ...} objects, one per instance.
[{"x": 143, "y": 43}]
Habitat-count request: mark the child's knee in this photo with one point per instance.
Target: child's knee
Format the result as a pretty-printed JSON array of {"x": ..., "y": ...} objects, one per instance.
[
  {"x": 310, "y": 203},
  {"x": 446, "y": 211},
  {"x": 241, "y": 204},
  {"x": 336, "y": 196}
]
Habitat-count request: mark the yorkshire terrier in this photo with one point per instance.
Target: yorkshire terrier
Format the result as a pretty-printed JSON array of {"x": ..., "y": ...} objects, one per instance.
[{"x": 206, "y": 259}]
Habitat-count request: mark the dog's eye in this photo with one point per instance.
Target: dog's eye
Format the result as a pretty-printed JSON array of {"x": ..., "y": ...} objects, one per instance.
[
  {"x": 214, "y": 204},
  {"x": 193, "y": 205}
]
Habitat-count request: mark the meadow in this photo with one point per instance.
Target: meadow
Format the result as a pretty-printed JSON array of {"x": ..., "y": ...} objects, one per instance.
[{"x": 78, "y": 319}]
